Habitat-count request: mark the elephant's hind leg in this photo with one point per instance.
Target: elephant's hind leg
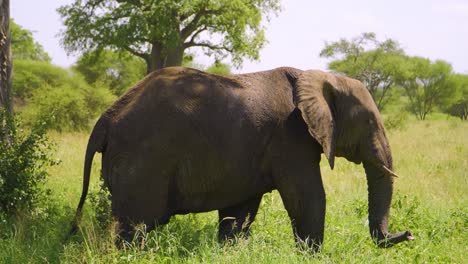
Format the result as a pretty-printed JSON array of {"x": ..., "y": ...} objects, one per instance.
[{"x": 237, "y": 219}]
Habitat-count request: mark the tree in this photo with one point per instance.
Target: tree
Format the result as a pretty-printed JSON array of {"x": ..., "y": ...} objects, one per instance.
[
  {"x": 219, "y": 68},
  {"x": 427, "y": 84},
  {"x": 365, "y": 58},
  {"x": 5, "y": 58},
  {"x": 24, "y": 46},
  {"x": 118, "y": 71},
  {"x": 160, "y": 32},
  {"x": 459, "y": 103}
]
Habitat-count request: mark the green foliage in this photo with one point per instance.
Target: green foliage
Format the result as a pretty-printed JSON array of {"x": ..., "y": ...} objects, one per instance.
[
  {"x": 219, "y": 68},
  {"x": 30, "y": 75},
  {"x": 60, "y": 97},
  {"x": 63, "y": 107},
  {"x": 118, "y": 71},
  {"x": 396, "y": 121},
  {"x": 161, "y": 31},
  {"x": 365, "y": 58},
  {"x": 458, "y": 105},
  {"x": 67, "y": 108},
  {"x": 24, "y": 159},
  {"x": 101, "y": 205},
  {"x": 23, "y": 45},
  {"x": 427, "y": 84}
]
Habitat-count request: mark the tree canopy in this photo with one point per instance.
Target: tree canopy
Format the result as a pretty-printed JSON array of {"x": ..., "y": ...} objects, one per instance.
[
  {"x": 365, "y": 58},
  {"x": 458, "y": 106},
  {"x": 161, "y": 31},
  {"x": 116, "y": 70},
  {"x": 24, "y": 46},
  {"x": 427, "y": 84}
]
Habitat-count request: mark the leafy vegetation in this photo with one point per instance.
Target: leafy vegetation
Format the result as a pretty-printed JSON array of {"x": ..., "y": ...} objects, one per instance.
[
  {"x": 118, "y": 71},
  {"x": 67, "y": 108},
  {"x": 219, "y": 68},
  {"x": 31, "y": 75},
  {"x": 160, "y": 32},
  {"x": 371, "y": 61},
  {"x": 458, "y": 106},
  {"x": 24, "y": 160},
  {"x": 427, "y": 84},
  {"x": 61, "y": 98},
  {"x": 383, "y": 67},
  {"x": 23, "y": 45}
]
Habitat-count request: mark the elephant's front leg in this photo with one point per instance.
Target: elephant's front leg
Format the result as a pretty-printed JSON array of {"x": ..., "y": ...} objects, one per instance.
[
  {"x": 236, "y": 219},
  {"x": 303, "y": 196}
]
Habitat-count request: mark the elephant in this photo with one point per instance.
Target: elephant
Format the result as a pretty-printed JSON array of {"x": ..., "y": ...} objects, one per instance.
[{"x": 184, "y": 141}]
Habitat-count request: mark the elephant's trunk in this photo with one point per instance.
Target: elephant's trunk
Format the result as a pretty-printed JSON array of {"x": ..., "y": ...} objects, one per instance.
[{"x": 380, "y": 187}]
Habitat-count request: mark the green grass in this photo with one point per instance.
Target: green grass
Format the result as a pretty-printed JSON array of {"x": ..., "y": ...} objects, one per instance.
[{"x": 430, "y": 199}]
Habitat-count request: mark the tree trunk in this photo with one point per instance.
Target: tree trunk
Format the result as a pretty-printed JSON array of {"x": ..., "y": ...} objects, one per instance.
[
  {"x": 161, "y": 57},
  {"x": 5, "y": 56}
]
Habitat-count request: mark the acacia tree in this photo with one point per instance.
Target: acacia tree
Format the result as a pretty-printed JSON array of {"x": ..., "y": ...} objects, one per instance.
[
  {"x": 161, "y": 31},
  {"x": 427, "y": 84},
  {"x": 365, "y": 58},
  {"x": 458, "y": 106},
  {"x": 5, "y": 57}
]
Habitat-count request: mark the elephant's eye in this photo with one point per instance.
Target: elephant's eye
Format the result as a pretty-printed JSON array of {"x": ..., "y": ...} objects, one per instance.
[{"x": 370, "y": 121}]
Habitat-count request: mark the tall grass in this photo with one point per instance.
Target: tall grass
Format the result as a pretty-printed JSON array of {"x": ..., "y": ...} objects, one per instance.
[{"x": 430, "y": 199}]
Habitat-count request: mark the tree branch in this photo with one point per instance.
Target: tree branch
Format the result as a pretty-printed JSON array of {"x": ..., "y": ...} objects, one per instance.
[
  {"x": 194, "y": 35},
  {"x": 194, "y": 24},
  {"x": 207, "y": 45},
  {"x": 142, "y": 55}
]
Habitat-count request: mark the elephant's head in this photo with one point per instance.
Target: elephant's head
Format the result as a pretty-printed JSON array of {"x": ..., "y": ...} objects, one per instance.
[{"x": 343, "y": 118}]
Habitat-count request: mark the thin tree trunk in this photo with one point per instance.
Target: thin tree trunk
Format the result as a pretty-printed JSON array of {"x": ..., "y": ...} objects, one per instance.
[{"x": 5, "y": 56}]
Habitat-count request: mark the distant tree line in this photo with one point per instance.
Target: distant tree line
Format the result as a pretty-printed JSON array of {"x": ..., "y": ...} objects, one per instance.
[{"x": 384, "y": 67}]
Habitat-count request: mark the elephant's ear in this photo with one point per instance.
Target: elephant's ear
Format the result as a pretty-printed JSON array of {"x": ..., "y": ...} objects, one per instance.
[{"x": 313, "y": 96}]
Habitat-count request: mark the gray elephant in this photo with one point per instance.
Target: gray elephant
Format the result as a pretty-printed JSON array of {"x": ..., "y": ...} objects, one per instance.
[{"x": 184, "y": 141}]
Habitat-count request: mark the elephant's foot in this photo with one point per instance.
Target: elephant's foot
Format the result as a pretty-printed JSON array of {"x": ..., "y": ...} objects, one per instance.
[
  {"x": 312, "y": 243},
  {"x": 392, "y": 239},
  {"x": 236, "y": 220}
]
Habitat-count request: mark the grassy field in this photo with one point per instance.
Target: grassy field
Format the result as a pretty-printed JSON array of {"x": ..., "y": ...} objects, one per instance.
[{"x": 430, "y": 199}]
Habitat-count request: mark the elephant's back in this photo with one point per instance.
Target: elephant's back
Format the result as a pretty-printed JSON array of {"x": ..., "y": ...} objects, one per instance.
[{"x": 177, "y": 101}]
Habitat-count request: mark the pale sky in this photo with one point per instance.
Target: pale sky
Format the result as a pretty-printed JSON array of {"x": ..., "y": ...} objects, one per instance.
[{"x": 437, "y": 29}]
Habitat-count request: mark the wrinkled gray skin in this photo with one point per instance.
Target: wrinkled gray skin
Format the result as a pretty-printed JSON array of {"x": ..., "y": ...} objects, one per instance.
[{"x": 184, "y": 141}]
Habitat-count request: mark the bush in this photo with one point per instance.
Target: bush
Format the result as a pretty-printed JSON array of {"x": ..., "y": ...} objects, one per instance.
[
  {"x": 101, "y": 203},
  {"x": 67, "y": 108},
  {"x": 396, "y": 121},
  {"x": 459, "y": 109},
  {"x": 219, "y": 68},
  {"x": 24, "y": 158},
  {"x": 31, "y": 75}
]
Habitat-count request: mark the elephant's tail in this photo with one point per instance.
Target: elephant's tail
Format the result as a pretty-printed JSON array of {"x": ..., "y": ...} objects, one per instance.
[{"x": 96, "y": 143}]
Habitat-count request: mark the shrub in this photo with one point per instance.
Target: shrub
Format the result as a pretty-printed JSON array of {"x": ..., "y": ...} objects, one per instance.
[
  {"x": 67, "y": 108},
  {"x": 31, "y": 75},
  {"x": 219, "y": 68},
  {"x": 62, "y": 108},
  {"x": 396, "y": 121},
  {"x": 459, "y": 109},
  {"x": 101, "y": 204},
  {"x": 24, "y": 158},
  {"x": 98, "y": 98}
]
